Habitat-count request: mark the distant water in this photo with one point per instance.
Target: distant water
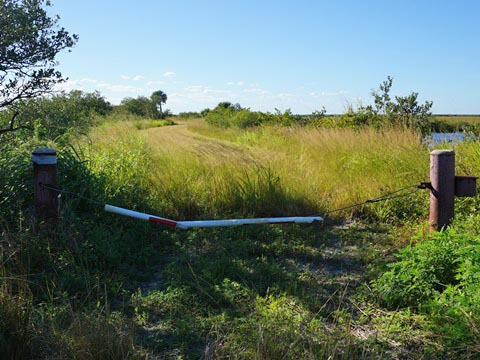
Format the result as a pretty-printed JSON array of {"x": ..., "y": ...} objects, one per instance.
[{"x": 438, "y": 138}]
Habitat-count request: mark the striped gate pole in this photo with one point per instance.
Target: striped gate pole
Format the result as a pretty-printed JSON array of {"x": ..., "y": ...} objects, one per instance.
[{"x": 210, "y": 223}]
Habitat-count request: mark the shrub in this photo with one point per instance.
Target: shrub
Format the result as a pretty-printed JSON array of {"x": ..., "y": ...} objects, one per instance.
[
  {"x": 440, "y": 278},
  {"x": 141, "y": 106},
  {"x": 422, "y": 272},
  {"x": 60, "y": 115},
  {"x": 226, "y": 115},
  {"x": 246, "y": 118},
  {"x": 146, "y": 124},
  {"x": 220, "y": 116},
  {"x": 189, "y": 115}
]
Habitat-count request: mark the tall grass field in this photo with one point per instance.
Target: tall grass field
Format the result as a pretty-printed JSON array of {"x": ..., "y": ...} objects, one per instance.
[
  {"x": 196, "y": 171},
  {"x": 369, "y": 282}
]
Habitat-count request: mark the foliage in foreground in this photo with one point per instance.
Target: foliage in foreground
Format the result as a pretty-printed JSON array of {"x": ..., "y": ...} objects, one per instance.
[{"x": 440, "y": 278}]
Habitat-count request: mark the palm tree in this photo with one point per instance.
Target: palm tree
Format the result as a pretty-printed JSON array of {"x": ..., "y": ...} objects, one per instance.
[{"x": 159, "y": 98}]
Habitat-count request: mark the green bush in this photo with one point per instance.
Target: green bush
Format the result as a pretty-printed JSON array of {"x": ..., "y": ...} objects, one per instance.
[
  {"x": 226, "y": 115},
  {"x": 189, "y": 115},
  {"x": 422, "y": 272},
  {"x": 59, "y": 115},
  {"x": 221, "y": 116},
  {"x": 140, "y": 106},
  {"x": 440, "y": 278},
  {"x": 147, "y": 124},
  {"x": 246, "y": 118}
]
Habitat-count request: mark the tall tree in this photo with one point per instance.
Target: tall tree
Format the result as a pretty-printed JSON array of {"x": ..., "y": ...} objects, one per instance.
[
  {"x": 159, "y": 98},
  {"x": 29, "y": 43}
]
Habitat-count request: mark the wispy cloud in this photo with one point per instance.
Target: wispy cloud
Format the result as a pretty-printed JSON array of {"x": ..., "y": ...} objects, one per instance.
[
  {"x": 194, "y": 88},
  {"x": 238, "y": 83},
  {"x": 286, "y": 96},
  {"x": 81, "y": 82},
  {"x": 257, "y": 91},
  {"x": 88, "y": 81},
  {"x": 205, "y": 90},
  {"x": 156, "y": 82},
  {"x": 329, "y": 93},
  {"x": 77, "y": 84},
  {"x": 134, "y": 78},
  {"x": 119, "y": 88},
  {"x": 198, "y": 99},
  {"x": 169, "y": 74}
]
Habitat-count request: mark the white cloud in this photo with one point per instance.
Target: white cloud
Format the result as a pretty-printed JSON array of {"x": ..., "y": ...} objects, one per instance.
[
  {"x": 157, "y": 82},
  {"x": 329, "y": 93},
  {"x": 257, "y": 91},
  {"x": 119, "y": 88},
  {"x": 169, "y": 74},
  {"x": 134, "y": 78},
  {"x": 76, "y": 84},
  {"x": 216, "y": 91},
  {"x": 195, "y": 88},
  {"x": 238, "y": 83},
  {"x": 205, "y": 90},
  {"x": 286, "y": 96},
  {"x": 69, "y": 85},
  {"x": 88, "y": 81},
  {"x": 199, "y": 99}
]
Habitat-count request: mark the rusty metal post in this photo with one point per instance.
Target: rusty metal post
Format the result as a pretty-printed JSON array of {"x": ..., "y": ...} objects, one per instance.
[
  {"x": 45, "y": 175},
  {"x": 442, "y": 194}
]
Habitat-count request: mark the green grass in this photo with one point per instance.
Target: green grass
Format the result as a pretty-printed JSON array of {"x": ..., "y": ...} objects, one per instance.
[
  {"x": 456, "y": 119},
  {"x": 203, "y": 172},
  {"x": 99, "y": 285},
  {"x": 452, "y": 123},
  {"x": 147, "y": 124},
  {"x": 200, "y": 172}
]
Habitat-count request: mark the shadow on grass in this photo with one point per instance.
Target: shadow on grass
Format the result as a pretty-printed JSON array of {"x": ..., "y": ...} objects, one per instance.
[{"x": 215, "y": 278}]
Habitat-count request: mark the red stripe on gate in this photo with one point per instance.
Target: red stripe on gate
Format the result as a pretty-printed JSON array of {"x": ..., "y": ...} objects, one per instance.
[{"x": 162, "y": 221}]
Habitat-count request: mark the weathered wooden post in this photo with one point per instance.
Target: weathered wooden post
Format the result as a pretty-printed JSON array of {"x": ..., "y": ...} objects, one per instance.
[
  {"x": 45, "y": 177},
  {"x": 442, "y": 190}
]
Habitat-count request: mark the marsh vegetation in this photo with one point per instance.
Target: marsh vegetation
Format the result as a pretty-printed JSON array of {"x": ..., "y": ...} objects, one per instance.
[{"x": 370, "y": 282}]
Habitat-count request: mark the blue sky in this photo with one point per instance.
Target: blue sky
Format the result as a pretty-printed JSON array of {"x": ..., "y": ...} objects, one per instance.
[{"x": 267, "y": 54}]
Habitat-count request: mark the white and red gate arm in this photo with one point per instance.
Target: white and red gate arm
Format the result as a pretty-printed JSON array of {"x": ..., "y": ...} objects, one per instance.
[{"x": 211, "y": 223}]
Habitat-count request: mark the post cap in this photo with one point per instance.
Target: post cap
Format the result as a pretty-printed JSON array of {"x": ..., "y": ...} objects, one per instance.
[
  {"x": 443, "y": 152},
  {"x": 44, "y": 156},
  {"x": 44, "y": 152}
]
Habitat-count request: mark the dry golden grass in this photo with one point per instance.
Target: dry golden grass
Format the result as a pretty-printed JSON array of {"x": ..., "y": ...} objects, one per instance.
[{"x": 336, "y": 166}]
